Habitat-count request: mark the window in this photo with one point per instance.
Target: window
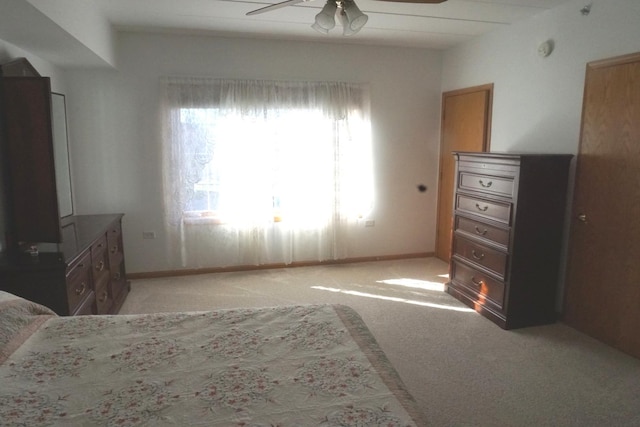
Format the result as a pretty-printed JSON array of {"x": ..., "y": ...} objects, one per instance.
[{"x": 277, "y": 155}]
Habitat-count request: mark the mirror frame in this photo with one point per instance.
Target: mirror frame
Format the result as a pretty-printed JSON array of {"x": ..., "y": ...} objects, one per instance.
[{"x": 62, "y": 159}]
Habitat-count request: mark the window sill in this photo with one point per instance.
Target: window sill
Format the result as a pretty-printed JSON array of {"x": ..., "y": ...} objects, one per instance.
[{"x": 210, "y": 219}]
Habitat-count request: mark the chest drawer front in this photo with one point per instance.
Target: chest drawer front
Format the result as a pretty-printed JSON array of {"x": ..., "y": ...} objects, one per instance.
[
  {"x": 103, "y": 298},
  {"x": 114, "y": 243},
  {"x": 496, "y": 211},
  {"x": 98, "y": 248},
  {"x": 501, "y": 186},
  {"x": 482, "y": 230},
  {"x": 86, "y": 308},
  {"x": 100, "y": 260},
  {"x": 484, "y": 256},
  {"x": 78, "y": 281},
  {"x": 488, "y": 290}
]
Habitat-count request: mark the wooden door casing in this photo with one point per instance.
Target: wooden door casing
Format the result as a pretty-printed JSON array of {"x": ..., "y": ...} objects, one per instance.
[
  {"x": 466, "y": 126},
  {"x": 602, "y": 293}
]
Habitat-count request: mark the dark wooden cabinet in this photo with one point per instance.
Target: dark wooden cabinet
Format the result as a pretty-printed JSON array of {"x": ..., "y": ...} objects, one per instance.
[
  {"x": 509, "y": 213},
  {"x": 79, "y": 266},
  {"x": 87, "y": 276},
  {"x": 32, "y": 213}
]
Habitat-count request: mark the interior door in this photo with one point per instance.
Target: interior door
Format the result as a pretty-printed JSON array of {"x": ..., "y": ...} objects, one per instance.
[
  {"x": 602, "y": 294},
  {"x": 466, "y": 126}
]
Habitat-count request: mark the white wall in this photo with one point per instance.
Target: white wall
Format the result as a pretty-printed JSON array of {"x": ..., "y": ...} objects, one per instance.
[
  {"x": 537, "y": 102},
  {"x": 115, "y": 142}
]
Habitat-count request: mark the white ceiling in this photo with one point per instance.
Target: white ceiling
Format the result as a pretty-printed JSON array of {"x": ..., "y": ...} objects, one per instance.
[{"x": 435, "y": 26}]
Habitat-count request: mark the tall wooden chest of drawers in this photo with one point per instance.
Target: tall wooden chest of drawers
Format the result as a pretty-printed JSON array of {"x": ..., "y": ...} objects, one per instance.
[{"x": 508, "y": 222}]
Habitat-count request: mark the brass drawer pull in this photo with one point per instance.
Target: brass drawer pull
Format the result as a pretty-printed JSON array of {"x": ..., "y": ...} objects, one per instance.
[
  {"x": 482, "y": 209},
  {"x": 481, "y": 232},
  {"x": 476, "y": 256},
  {"x": 81, "y": 289},
  {"x": 487, "y": 185},
  {"x": 100, "y": 266},
  {"x": 103, "y": 297},
  {"x": 478, "y": 283}
]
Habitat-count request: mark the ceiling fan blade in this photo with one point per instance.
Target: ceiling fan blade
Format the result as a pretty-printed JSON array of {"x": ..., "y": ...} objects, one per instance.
[
  {"x": 416, "y": 1},
  {"x": 275, "y": 6}
]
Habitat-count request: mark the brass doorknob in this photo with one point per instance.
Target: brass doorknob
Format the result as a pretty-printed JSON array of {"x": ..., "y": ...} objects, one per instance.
[{"x": 582, "y": 217}]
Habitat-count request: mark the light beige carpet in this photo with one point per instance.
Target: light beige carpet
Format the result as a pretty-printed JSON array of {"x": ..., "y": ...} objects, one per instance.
[{"x": 462, "y": 369}]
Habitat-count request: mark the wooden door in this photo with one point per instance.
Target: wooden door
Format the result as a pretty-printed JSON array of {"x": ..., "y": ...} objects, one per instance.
[
  {"x": 602, "y": 294},
  {"x": 466, "y": 126}
]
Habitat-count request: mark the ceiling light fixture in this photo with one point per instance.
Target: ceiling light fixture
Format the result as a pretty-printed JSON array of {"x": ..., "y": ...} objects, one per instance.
[{"x": 351, "y": 17}]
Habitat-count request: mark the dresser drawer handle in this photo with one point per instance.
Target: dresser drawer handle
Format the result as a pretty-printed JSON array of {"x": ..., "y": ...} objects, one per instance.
[
  {"x": 476, "y": 256},
  {"x": 478, "y": 283},
  {"x": 114, "y": 249},
  {"x": 81, "y": 289},
  {"x": 100, "y": 266},
  {"x": 481, "y": 232},
  {"x": 482, "y": 209},
  {"x": 103, "y": 297},
  {"x": 487, "y": 185}
]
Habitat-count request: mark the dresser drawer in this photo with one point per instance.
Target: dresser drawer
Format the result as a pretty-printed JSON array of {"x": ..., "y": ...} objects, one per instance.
[
  {"x": 484, "y": 256},
  {"x": 98, "y": 248},
  {"x": 482, "y": 230},
  {"x": 501, "y": 186},
  {"x": 114, "y": 232},
  {"x": 114, "y": 240},
  {"x": 496, "y": 211},
  {"x": 87, "y": 307},
  {"x": 489, "y": 166},
  {"x": 104, "y": 299},
  {"x": 78, "y": 281},
  {"x": 99, "y": 260},
  {"x": 116, "y": 254},
  {"x": 118, "y": 288},
  {"x": 484, "y": 288}
]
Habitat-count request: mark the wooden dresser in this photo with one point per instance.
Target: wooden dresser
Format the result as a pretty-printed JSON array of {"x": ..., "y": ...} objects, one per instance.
[
  {"x": 86, "y": 276},
  {"x": 508, "y": 222}
]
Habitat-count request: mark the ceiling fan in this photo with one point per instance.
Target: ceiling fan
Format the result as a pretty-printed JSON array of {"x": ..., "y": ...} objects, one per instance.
[{"x": 349, "y": 14}]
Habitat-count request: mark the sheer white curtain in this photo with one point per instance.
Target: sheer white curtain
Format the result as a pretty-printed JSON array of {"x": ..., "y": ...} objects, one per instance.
[{"x": 260, "y": 172}]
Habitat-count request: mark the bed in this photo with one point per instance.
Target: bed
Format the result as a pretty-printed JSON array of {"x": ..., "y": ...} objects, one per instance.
[{"x": 309, "y": 365}]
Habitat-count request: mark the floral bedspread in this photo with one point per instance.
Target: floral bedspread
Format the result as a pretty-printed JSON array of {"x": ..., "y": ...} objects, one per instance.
[{"x": 280, "y": 366}]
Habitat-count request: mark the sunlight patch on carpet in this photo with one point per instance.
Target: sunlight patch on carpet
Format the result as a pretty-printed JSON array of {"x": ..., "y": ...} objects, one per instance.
[
  {"x": 415, "y": 283},
  {"x": 394, "y": 299}
]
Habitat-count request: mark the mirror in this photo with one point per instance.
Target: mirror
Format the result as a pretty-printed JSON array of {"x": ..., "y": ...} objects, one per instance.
[{"x": 61, "y": 154}]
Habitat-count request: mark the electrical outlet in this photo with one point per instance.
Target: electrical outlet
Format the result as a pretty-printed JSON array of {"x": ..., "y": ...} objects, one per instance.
[
  {"x": 369, "y": 223},
  {"x": 148, "y": 234}
]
